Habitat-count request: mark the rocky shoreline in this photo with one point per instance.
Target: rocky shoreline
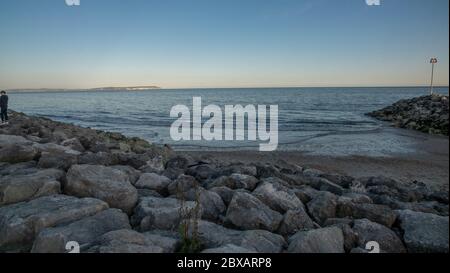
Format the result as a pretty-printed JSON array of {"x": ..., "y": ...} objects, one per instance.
[
  {"x": 60, "y": 183},
  {"x": 428, "y": 114}
]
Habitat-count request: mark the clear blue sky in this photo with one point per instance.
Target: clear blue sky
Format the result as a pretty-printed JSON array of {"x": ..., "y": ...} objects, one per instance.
[{"x": 222, "y": 43}]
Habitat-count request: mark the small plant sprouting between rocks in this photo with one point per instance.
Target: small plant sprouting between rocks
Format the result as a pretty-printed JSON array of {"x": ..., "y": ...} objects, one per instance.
[{"x": 189, "y": 218}]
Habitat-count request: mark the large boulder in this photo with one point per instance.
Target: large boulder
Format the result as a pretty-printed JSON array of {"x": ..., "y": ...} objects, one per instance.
[
  {"x": 376, "y": 213},
  {"x": 212, "y": 204},
  {"x": 125, "y": 241},
  {"x": 237, "y": 168},
  {"x": 73, "y": 144},
  {"x": 424, "y": 232},
  {"x": 17, "y": 153},
  {"x": 21, "y": 223},
  {"x": 84, "y": 231},
  {"x": 341, "y": 180},
  {"x": 19, "y": 188},
  {"x": 211, "y": 235},
  {"x": 306, "y": 193},
  {"x": 295, "y": 221},
  {"x": 184, "y": 187},
  {"x": 323, "y": 207},
  {"x": 8, "y": 140},
  {"x": 57, "y": 160},
  {"x": 356, "y": 198},
  {"x": 100, "y": 158},
  {"x": 324, "y": 240},
  {"x": 154, "y": 213},
  {"x": 153, "y": 181},
  {"x": 53, "y": 148},
  {"x": 22, "y": 168},
  {"x": 351, "y": 237},
  {"x": 323, "y": 184},
  {"x": 201, "y": 172},
  {"x": 132, "y": 173},
  {"x": 225, "y": 193},
  {"x": 187, "y": 188},
  {"x": 277, "y": 196},
  {"x": 235, "y": 181},
  {"x": 154, "y": 165},
  {"x": 104, "y": 183},
  {"x": 169, "y": 244},
  {"x": 372, "y": 232},
  {"x": 248, "y": 212}
]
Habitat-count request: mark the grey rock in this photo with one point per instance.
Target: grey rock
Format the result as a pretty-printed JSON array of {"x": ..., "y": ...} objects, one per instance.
[
  {"x": 148, "y": 193},
  {"x": 57, "y": 160},
  {"x": 22, "y": 168},
  {"x": 387, "y": 239},
  {"x": 225, "y": 193},
  {"x": 53, "y": 148},
  {"x": 163, "y": 213},
  {"x": 312, "y": 172},
  {"x": 104, "y": 183},
  {"x": 277, "y": 197},
  {"x": 341, "y": 180},
  {"x": 168, "y": 244},
  {"x": 324, "y": 240},
  {"x": 236, "y": 168},
  {"x": 295, "y": 221},
  {"x": 100, "y": 158},
  {"x": 212, "y": 235},
  {"x": 424, "y": 232},
  {"x": 180, "y": 162},
  {"x": 375, "y": 213},
  {"x": 248, "y": 212},
  {"x": 323, "y": 206},
  {"x": 323, "y": 184},
  {"x": 154, "y": 165},
  {"x": 125, "y": 241},
  {"x": 17, "y": 153},
  {"x": 357, "y": 198},
  {"x": 212, "y": 204},
  {"x": 132, "y": 173},
  {"x": 73, "y": 144},
  {"x": 21, "y": 222},
  {"x": 350, "y": 236},
  {"x": 306, "y": 193},
  {"x": 235, "y": 181},
  {"x": 84, "y": 231},
  {"x": 153, "y": 181},
  {"x": 20, "y": 188},
  {"x": 184, "y": 187},
  {"x": 338, "y": 221},
  {"x": 201, "y": 172},
  {"x": 187, "y": 188},
  {"x": 8, "y": 140}
]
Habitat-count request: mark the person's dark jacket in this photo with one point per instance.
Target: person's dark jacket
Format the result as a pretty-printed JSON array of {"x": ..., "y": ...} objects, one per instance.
[{"x": 4, "y": 101}]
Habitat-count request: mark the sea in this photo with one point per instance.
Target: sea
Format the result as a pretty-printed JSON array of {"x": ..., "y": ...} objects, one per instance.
[{"x": 318, "y": 121}]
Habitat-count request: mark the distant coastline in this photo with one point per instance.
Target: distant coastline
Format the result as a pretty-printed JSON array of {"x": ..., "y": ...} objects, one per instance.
[
  {"x": 106, "y": 89},
  {"x": 150, "y": 88}
]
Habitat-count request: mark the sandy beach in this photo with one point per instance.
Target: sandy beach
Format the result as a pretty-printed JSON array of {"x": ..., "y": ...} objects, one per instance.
[{"x": 429, "y": 163}]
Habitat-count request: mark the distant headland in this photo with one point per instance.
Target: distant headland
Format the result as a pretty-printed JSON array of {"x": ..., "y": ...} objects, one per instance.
[{"x": 110, "y": 88}]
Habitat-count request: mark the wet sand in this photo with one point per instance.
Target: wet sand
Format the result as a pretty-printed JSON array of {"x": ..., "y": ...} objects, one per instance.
[{"x": 429, "y": 163}]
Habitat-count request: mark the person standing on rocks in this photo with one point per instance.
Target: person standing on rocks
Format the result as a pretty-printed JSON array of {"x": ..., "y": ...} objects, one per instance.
[{"x": 4, "y": 108}]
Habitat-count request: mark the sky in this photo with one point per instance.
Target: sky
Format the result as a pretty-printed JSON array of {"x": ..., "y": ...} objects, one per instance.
[{"x": 222, "y": 43}]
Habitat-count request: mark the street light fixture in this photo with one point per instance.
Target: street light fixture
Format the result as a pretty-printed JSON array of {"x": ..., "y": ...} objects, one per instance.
[{"x": 433, "y": 61}]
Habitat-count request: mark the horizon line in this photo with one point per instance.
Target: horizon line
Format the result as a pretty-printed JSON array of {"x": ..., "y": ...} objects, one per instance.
[{"x": 237, "y": 87}]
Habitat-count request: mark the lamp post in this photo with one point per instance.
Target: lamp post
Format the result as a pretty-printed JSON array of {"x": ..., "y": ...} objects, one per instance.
[{"x": 433, "y": 61}]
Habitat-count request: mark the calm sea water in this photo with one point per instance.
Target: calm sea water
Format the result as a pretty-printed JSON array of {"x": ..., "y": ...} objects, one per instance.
[{"x": 316, "y": 120}]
